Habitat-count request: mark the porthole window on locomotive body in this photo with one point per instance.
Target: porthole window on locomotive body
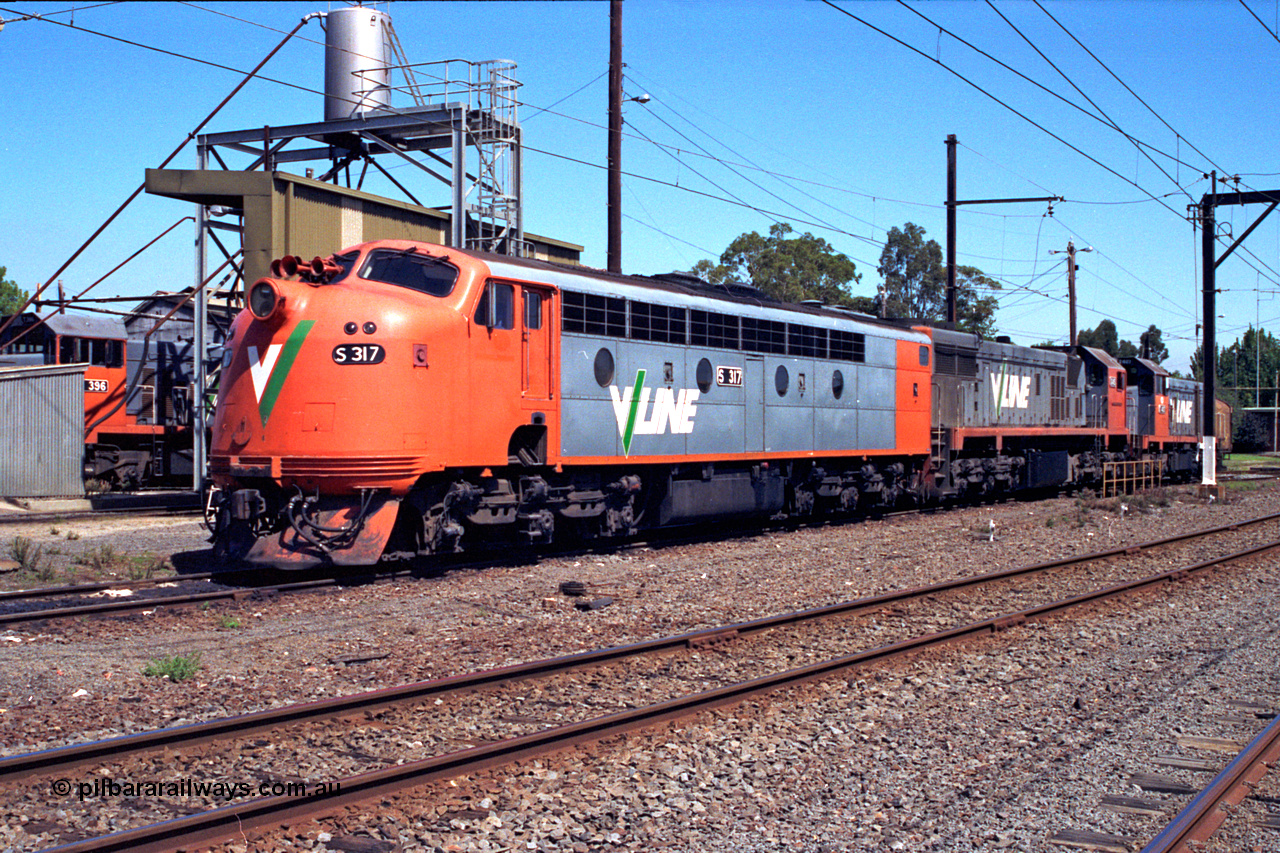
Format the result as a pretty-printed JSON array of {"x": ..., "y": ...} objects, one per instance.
[
  {"x": 705, "y": 375},
  {"x": 837, "y": 384},
  {"x": 781, "y": 379},
  {"x": 604, "y": 368}
]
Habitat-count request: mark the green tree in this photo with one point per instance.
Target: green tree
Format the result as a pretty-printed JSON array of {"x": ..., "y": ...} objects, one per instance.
[
  {"x": 791, "y": 269},
  {"x": 1106, "y": 338},
  {"x": 975, "y": 312},
  {"x": 11, "y": 296},
  {"x": 1250, "y": 363},
  {"x": 1247, "y": 371},
  {"x": 1151, "y": 342},
  {"x": 915, "y": 281}
]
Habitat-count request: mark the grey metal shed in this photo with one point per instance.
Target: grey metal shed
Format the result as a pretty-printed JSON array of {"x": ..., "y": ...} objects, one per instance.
[{"x": 42, "y": 431}]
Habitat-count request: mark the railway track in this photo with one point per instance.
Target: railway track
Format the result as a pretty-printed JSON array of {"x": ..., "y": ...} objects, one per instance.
[
  {"x": 97, "y": 599},
  {"x": 1195, "y": 825},
  {"x": 204, "y": 828},
  {"x": 25, "y": 604},
  {"x": 166, "y": 504},
  {"x": 313, "y": 581}
]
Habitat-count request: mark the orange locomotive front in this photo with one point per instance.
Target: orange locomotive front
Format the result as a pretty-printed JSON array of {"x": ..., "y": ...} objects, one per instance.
[{"x": 346, "y": 382}]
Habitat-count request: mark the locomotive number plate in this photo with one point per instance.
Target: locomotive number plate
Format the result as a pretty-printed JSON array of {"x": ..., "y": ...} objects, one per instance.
[
  {"x": 97, "y": 386},
  {"x": 359, "y": 353},
  {"x": 729, "y": 376}
]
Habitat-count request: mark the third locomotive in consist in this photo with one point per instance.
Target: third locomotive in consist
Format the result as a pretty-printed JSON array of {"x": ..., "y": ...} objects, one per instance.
[{"x": 411, "y": 398}]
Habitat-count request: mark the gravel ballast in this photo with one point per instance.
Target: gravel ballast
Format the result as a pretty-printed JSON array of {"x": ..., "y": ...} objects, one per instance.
[{"x": 999, "y": 745}]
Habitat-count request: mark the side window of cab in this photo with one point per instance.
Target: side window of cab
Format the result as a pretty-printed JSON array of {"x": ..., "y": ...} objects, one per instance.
[{"x": 497, "y": 308}]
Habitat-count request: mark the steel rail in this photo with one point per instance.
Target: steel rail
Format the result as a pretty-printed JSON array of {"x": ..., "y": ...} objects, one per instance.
[
  {"x": 228, "y": 575},
  {"x": 222, "y": 575},
  {"x": 62, "y": 758},
  {"x": 233, "y": 820},
  {"x": 119, "y": 607},
  {"x": 44, "y": 517},
  {"x": 115, "y": 608},
  {"x": 98, "y": 586},
  {"x": 1201, "y": 818}
]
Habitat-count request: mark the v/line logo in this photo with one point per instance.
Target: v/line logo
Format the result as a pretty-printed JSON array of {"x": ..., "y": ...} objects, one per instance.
[
  {"x": 268, "y": 370},
  {"x": 635, "y": 417},
  {"x": 1009, "y": 391},
  {"x": 1181, "y": 410}
]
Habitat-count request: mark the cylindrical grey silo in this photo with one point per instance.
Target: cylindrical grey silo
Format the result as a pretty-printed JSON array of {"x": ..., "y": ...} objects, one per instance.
[{"x": 356, "y": 58}]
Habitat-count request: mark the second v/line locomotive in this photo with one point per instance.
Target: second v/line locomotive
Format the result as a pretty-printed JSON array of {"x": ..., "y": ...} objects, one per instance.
[{"x": 411, "y": 398}]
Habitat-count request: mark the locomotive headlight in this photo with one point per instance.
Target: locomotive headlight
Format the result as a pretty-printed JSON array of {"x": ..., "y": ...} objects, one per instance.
[{"x": 263, "y": 300}]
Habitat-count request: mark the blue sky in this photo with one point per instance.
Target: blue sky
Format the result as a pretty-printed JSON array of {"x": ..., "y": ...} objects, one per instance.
[{"x": 833, "y": 126}]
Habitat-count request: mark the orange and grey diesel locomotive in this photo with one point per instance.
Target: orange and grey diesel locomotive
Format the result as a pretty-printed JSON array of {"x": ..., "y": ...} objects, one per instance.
[
  {"x": 408, "y": 398},
  {"x": 137, "y": 391},
  {"x": 1008, "y": 417}
]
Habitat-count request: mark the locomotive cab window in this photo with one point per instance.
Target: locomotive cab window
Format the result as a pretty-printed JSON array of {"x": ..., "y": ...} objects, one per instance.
[
  {"x": 409, "y": 269},
  {"x": 95, "y": 351},
  {"x": 346, "y": 262},
  {"x": 499, "y": 303},
  {"x": 532, "y": 310}
]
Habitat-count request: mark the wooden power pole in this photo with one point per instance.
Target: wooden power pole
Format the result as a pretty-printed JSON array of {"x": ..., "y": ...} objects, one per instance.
[
  {"x": 614, "y": 254},
  {"x": 1071, "y": 285}
]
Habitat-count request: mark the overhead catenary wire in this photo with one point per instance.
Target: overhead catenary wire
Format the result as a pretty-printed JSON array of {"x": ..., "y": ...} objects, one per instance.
[
  {"x": 780, "y": 178},
  {"x": 546, "y": 109},
  {"x": 763, "y": 211},
  {"x": 1075, "y": 232},
  {"x": 872, "y": 196},
  {"x": 748, "y": 180},
  {"x": 1092, "y": 103},
  {"x": 539, "y": 110},
  {"x": 667, "y": 234},
  {"x": 1002, "y": 103},
  {"x": 24, "y": 16},
  {"x": 314, "y": 91},
  {"x": 1152, "y": 110},
  {"x": 1099, "y": 118},
  {"x": 175, "y": 54},
  {"x": 1130, "y": 91},
  {"x": 1159, "y": 293}
]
